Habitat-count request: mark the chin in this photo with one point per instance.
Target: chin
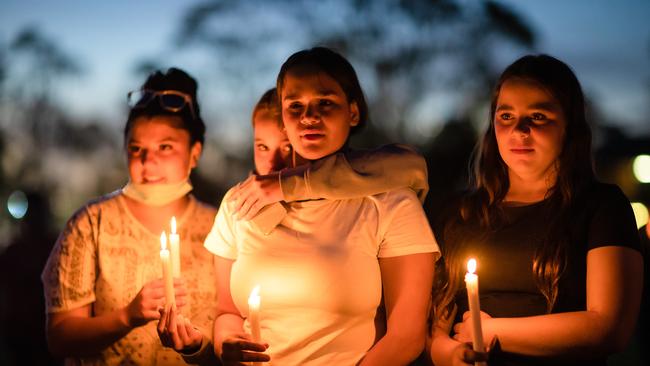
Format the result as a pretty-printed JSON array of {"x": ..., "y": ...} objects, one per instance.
[{"x": 312, "y": 152}]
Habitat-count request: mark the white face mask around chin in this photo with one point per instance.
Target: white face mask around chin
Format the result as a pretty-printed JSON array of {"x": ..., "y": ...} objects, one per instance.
[{"x": 156, "y": 194}]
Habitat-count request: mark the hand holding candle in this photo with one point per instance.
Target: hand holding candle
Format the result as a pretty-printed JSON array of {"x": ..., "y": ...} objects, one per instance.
[
  {"x": 167, "y": 272},
  {"x": 471, "y": 282},
  {"x": 174, "y": 246}
]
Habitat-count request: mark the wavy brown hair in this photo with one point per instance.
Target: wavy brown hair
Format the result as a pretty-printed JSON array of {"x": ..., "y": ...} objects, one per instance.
[{"x": 481, "y": 207}]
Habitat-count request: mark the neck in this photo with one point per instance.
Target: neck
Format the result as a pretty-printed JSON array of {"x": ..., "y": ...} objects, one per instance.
[
  {"x": 528, "y": 189},
  {"x": 297, "y": 160},
  {"x": 176, "y": 207},
  {"x": 156, "y": 218}
]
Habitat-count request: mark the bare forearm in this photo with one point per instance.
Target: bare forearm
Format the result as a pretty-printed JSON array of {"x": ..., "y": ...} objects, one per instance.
[
  {"x": 579, "y": 334},
  {"x": 86, "y": 336},
  {"x": 441, "y": 348},
  {"x": 204, "y": 355},
  {"x": 407, "y": 282},
  {"x": 364, "y": 173},
  {"x": 226, "y": 324},
  {"x": 395, "y": 350}
]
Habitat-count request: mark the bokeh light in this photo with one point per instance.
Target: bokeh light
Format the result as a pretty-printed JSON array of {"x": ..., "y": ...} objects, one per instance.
[
  {"x": 640, "y": 213},
  {"x": 641, "y": 168},
  {"x": 17, "y": 204}
]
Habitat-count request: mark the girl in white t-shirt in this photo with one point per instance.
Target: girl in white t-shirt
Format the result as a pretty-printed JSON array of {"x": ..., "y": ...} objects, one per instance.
[{"x": 324, "y": 268}]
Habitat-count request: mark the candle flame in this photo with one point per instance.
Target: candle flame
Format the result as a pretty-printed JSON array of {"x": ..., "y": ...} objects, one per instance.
[
  {"x": 173, "y": 224},
  {"x": 471, "y": 265},
  {"x": 163, "y": 241},
  {"x": 254, "y": 298}
]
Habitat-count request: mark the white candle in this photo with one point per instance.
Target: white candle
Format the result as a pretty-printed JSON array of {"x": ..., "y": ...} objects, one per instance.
[
  {"x": 167, "y": 271},
  {"x": 471, "y": 282},
  {"x": 254, "y": 316},
  {"x": 254, "y": 313},
  {"x": 174, "y": 246}
]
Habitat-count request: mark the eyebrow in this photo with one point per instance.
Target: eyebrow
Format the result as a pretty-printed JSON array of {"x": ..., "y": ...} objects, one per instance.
[
  {"x": 546, "y": 106},
  {"x": 322, "y": 93},
  {"x": 166, "y": 139}
]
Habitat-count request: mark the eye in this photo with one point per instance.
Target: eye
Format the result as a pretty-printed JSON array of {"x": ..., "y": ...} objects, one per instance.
[
  {"x": 294, "y": 106},
  {"x": 325, "y": 103},
  {"x": 539, "y": 118},
  {"x": 165, "y": 147},
  {"x": 506, "y": 118},
  {"x": 133, "y": 149},
  {"x": 262, "y": 147}
]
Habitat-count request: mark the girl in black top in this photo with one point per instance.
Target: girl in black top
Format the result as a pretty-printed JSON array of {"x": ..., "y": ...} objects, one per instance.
[{"x": 558, "y": 255}]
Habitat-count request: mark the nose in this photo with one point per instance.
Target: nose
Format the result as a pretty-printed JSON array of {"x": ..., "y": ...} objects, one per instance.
[
  {"x": 147, "y": 157},
  {"x": 523, "y": 126},
  {"x": 310, "y": 116}
]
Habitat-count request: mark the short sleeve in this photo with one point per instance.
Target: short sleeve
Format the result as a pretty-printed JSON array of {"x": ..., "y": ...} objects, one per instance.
[
  {"x": 613, "y": 221},
  {"x": 404, "y": 228},
  {"x": 70, "y": 273},
  {"x": 221, "y": 239}
]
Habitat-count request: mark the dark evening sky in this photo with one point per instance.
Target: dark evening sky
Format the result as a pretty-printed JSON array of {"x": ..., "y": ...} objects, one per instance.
[{"x": 606, "y": 42}]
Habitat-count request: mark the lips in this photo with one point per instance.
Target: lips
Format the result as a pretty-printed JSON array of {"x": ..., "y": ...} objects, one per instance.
[
  {"x": 312, "y": 134},
  {"x": 152, "y": 180},
  {"x": 522, "y": 150}
]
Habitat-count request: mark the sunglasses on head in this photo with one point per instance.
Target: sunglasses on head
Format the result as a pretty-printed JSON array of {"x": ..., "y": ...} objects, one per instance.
[{"x": 170, "y": 100}]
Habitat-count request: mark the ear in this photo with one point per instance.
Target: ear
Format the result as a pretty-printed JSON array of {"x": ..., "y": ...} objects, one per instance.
[
  {"x": 354, "y": 114},
  {"x": 195, "y": 154}
]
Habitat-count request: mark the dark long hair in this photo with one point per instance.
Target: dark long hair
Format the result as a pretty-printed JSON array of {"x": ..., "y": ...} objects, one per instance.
[
  {"x": 173, "y": 79},
  {"x": 489, "y": 183},
  {"x": 321, "y": 59}
]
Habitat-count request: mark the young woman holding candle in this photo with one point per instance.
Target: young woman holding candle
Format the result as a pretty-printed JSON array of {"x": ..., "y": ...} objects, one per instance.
[
  {"x": 558, "y": 256},
  {"x": 322, "y": 269},
  {"x": 103, "y": 281}
]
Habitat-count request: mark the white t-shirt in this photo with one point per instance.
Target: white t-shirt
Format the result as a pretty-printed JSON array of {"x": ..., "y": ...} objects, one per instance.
[{"x": 318, "y": 271}]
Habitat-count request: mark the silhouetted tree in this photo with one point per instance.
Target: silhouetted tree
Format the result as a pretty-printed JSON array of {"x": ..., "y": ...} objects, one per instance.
[
  {"x": 46, "y": 60},
  {"x": 52, "y": 151},
  {"x": 406, "y": 50}
]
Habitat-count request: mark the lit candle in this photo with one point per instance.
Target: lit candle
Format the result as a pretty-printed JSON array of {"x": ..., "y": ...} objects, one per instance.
[
  {"x": 471, "y": 282},
  {"x": 167, "y": 271},
  {"x": 174, "y": 246},
  {"x": 254, "y": 313}
]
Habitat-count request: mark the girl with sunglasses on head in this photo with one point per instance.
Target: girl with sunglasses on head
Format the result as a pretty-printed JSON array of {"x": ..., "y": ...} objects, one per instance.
[
  {"x": 322, "y": 269},
  {"x": 558, "y": 255},
  {"x": 103, "y": 286}
]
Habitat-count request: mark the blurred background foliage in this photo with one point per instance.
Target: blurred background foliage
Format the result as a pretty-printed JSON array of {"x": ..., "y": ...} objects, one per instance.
[{"x": 441, "y": 55}]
